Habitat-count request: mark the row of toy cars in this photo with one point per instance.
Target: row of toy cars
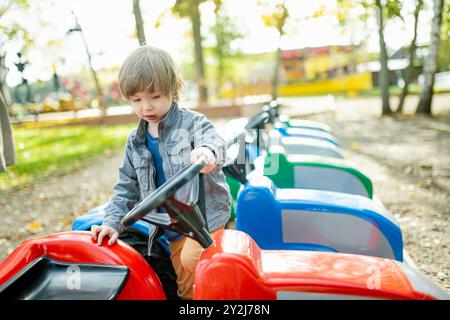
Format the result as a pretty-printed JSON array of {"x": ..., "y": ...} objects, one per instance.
[
  {"x": 291, "y": 242},
  {"x": 299, "y": 193},
  {"x": 307, "y": 201}
]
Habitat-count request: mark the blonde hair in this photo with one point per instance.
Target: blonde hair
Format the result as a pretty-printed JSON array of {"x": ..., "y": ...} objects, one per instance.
[{"x": 149, "y": 69}]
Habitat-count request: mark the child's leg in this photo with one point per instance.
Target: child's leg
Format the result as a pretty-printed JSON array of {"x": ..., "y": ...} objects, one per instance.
[
  {"x": 185, "y": 254},
  {"x": 183, "y": 278}
]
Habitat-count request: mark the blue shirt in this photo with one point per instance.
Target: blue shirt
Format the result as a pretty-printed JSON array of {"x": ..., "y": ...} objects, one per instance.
[{"x": 152, "y": 143}]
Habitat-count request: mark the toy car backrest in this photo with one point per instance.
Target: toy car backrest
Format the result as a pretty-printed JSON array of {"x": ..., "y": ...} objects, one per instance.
[
  {"x": 306, "y": 124},
  {"x": 299, "y": 145},
  {"x": 299, "y": 219},
  {"x": 315, "y": 172},
  {"x": 309, "y": 133}
]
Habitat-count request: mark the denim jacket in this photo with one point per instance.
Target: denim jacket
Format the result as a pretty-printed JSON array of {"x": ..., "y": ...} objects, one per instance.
[{"x": 179, "y": 130}]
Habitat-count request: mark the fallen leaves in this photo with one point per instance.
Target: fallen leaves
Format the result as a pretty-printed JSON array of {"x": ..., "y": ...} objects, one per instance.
[
  {"x": 34, "y": 226},
  {"x": 355, "y": 146}
]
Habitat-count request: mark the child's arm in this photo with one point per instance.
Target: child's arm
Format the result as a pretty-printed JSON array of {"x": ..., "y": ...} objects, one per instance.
[
  {"x": 126, "y": 195},
  {"x": 206, "y": 137}
]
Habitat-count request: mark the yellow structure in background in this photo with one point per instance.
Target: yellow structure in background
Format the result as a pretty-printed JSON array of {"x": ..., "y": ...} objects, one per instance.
[
  {"x": 347, "y": 83},
  {"x": 320, "y": 70},
  {"x": 309, "y": 71},
  {"x": 310, "y": 64}
]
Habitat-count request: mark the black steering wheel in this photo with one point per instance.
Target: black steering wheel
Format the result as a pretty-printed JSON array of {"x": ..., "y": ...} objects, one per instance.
[
  {"x": 181, "y": 217},
  {"x": 239, "y": 166},
  {"x": 258, "y": 120}
]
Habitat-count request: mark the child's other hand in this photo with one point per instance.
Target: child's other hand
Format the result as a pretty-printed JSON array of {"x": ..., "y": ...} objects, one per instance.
[
  {"x": 208, "y": 154},
  {"x": 99, "y": 232}
]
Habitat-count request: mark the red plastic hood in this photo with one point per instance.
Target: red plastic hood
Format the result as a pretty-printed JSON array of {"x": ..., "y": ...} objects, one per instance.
[
  {"x": 236, "y": 268},
  {"x": 79, "y": 247}
]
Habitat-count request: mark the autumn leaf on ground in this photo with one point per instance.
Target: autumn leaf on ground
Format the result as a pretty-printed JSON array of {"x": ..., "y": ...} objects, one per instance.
[
  {"x": 355, "y": 146},
  {"x": 34, "y": 226}
]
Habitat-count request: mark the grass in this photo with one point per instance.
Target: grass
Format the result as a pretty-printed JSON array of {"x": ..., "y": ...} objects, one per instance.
[
  {"x": 393, "y": 90},
  {"x": 44, "y": 152}
]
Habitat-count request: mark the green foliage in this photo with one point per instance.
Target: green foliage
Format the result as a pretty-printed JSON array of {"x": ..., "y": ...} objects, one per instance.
[
  {"x": 446, "y": 18},
  {"x": 225, "y": 31},
  {"x": 43, "y": 152},
  {"x": 183, "y": 8},
  {"x": 242, "y": 67},
  {"x": 444, "y": 49},
  {"x": 444, "y": 53},
  {"x": 342, "y": 12},
  {"x": 393, "y": 91},
  {"x": 13, "y": 30},
  {"x": 393, "y": 9},
  {"x": 8, "y": 5},
  {"x": 277, "y": 18}
]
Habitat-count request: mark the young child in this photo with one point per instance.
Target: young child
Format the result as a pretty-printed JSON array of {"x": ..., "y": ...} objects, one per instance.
[{"x": 167, "y": 139}]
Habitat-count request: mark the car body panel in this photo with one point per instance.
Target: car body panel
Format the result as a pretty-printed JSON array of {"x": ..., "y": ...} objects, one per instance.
[
  {"x": 264, "y": 274},
  {"x": 79, "y": 247}
]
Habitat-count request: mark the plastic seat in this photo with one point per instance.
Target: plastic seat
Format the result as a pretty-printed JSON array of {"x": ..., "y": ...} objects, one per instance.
[
  {"x": 299, "y": 145},
  {"x": 304, "y": 145},
  {"x": 298, "y": 219},
  {"x": 305, "y": 124},
  {"x": 306, "y": 133},
  {"x": 95, "y": 217},
  {"x": 315, "y": 172}
]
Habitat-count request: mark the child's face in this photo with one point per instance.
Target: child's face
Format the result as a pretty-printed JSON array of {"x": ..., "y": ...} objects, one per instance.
[{"x": 150, "y": 106}]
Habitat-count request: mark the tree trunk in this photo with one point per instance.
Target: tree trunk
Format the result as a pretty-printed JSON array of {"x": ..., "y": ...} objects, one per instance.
[
  {"x": 199, "y": 64},
  {"x": 431, "y": 63},
  {"x": 220, "y": 73},
  {"x": 412, "y": 57},
  {"x": 98, "y": 87},
  {"x": 7, "y": 151},
  {"x": 276, "y": 74},
  {"x": 384, "y": 72},
  {"x": 139, "y": 23},
  {"x": 4, "y": 92}
]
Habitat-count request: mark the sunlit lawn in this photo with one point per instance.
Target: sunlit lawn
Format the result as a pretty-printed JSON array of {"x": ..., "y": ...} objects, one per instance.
[
  {"x": 393, "y": 90},
  {"x": 44, "y": 152}
]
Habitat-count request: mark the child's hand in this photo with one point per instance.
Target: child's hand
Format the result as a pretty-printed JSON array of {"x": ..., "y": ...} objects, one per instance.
[
  {"x": 207, "y": 153},
  {"x": 99, "y": 232}
]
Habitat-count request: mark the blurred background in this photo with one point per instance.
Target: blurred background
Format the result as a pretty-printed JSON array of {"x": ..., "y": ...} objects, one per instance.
[
  {"x": 57, "y": 55},
  {"x": 376, "y": 71}
]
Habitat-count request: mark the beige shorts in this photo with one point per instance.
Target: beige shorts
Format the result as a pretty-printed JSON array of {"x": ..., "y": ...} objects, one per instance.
[{"x": 185, "y": 254}]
